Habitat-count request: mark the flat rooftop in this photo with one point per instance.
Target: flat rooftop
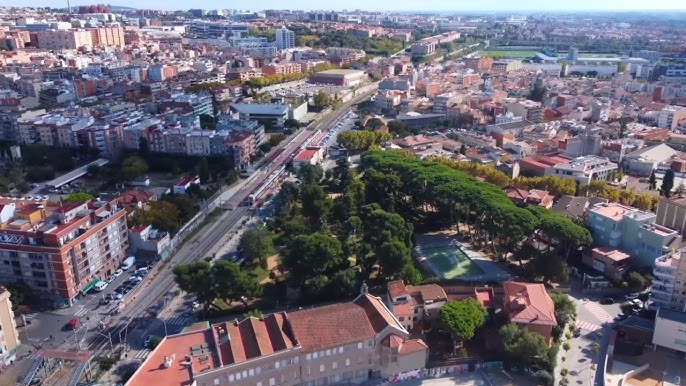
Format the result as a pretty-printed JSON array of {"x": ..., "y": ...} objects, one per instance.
[
  {"x": 176, "y": 358},
  {"x": 613, "y": 211}
]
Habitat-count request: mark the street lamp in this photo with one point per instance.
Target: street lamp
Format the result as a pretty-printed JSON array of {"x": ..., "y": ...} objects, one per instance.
[
  {"x": 109, "y": 337},
  {"x": 165, "y": 327}
]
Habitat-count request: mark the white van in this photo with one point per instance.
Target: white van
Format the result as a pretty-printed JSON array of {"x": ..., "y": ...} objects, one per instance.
[
  {"x": 128, "y": 263},
  {"x": 100, "y": 286}
]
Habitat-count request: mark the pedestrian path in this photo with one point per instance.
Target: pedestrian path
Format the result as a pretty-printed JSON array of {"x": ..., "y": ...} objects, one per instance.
[
  {"x": 588, "y": 326},
  {"x": 29, "y": 317},
  {"x": 83, "y": 311},
  {"x": 598, "y": 312}
]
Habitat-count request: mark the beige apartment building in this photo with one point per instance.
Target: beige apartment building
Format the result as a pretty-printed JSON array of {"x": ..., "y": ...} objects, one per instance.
[
  {"x": 9, "y": 337},
  {"x": 671, "y": 213},
  {"x": 344, "y": 343},
  {"x": 64, "y": 39}
]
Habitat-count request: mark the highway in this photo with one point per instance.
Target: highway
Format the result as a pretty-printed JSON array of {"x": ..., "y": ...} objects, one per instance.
[{"x": 160, "y": 284}]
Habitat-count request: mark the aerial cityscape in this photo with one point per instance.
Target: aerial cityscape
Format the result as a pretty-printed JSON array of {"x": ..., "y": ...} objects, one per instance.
[{"x": 413, "y": 193}]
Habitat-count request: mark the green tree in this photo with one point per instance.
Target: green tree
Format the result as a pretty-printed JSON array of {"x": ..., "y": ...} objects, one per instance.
[
  {"x": 373, "y": 124},
  {"x": 637, "y": 281},
  {"x": 204, "y": 170},
  {"x": 680, "y": 190},
  {"x": 522, "y": 346},
  {"x": 256, "y": 244},
  {"x": 79, "y": 197},
  {"x": 134, "y": 167},
  {"x": 309, "y": 255},
  {"x": 652, "y": 181},
  {"x": 309, "y": 174},
  {"x": 291, "y": 123},
  {"x": 322, "y": 99},
  {"x": 565, "y": 309},
  {"x": 463, "y": 149},
  {"x": 358, "y": 141},
  {"x": 196, "y": 278},
  {"x": 208, "y": 122},
  {"x": 667, "y": 183},
  {"x": 231, "y": 282},
  {"x": 463, "y": 318},
  {"x": 155, "y": 341}
]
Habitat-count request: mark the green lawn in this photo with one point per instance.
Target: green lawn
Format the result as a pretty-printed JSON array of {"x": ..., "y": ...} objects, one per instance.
[{"x": 443, "y": 260}]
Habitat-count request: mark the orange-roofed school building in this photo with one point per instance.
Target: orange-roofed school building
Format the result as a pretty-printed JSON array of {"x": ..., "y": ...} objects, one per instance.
[{"x": 349, "y": 343}]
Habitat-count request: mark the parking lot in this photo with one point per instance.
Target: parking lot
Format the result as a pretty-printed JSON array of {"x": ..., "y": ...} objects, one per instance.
[{"x": 309, "y": 90}]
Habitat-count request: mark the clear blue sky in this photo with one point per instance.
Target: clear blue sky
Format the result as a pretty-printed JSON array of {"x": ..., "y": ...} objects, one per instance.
[{"x": 392, "y": 5}]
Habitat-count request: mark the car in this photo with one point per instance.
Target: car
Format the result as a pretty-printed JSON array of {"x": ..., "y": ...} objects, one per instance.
[
  {"x": 117, "y": 273},
  {"x": 110, "y": 297},
  {"x": 607, "y": 301},
  {"x": 632, "y": 296},
  {"x": 111, "y": 279},
  {"x": 120, "y": 289},
  {"x": 140, "y": 272}
]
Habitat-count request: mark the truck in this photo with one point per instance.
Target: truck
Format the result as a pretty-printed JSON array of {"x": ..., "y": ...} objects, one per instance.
[{"x": 128, "y": 263}]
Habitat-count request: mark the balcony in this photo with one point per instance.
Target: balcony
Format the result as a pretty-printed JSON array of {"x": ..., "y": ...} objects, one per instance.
[
  {"x": 661, "y": 290},
  {"x": 664, "y": 275}
]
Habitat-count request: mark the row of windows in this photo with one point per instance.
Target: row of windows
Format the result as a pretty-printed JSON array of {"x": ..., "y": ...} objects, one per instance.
[{"x": 339, "y": 350}]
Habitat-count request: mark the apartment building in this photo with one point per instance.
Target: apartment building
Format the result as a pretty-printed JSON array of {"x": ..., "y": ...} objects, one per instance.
[
  {"x": 55, "y": 129},
  {"x": 64, "y": 39},
  {"x": 671, "y": 116},
  {"x": 281, "y": 68},
  {"x": 285, "y": 39},
  {"x": 668, "y": 288},
  {"x": 585, "y": 169},
  {"x": 671, "y": 213},
  {"x": 631, "y": 230},
  {"x": 108, "y": 37},
  {"x": 9, "y": 337},
  {"x": 349, "y": 343},
  {"x": 61, "y": 250},
  {"x": 272, "y": 114}
]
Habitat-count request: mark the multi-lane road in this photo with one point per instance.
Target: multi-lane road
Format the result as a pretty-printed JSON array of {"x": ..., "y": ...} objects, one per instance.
[{"x": 159, "y": 286}]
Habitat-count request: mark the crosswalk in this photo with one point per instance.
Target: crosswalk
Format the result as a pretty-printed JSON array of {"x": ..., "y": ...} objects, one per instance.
[
  {"x": 139, "y": 354},
  {"x": 588, "y": 326},
  {"x": 598, "y": 311},
  {"x": 83, "y": 311},
  {"x": 178, "y": 320},
  {"x": 29, "y": 317}
]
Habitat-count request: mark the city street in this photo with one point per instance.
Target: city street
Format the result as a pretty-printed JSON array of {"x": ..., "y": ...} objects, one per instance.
[
  {"x": 130, "y": 326},
  {"x": 594, "y": 320}
]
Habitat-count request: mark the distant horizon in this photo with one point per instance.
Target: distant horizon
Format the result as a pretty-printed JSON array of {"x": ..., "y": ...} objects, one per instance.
[{"x": 428, "y": 6}]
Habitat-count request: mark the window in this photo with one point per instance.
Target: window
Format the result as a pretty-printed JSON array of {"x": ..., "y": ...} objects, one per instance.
[
  {"x": 231, "y": 377},
  {"x": 401, "y": 318},
  {"x": 359, "y": 345},
  {"x": 216, "y": 381},
  {"x": 322, "y": 368},
  {"x": 277, "y": 365},
  {"x": 272, "y": 381},
  {"x": 328, "y": 352},
  {"x": 308, "y": 357},
  {"x": 251, "y": 372},
  {"x": 259, "y": 383},
  {"x": 314, "y": 355},
  {"x": 238, "y": 376},
  {"x": 347, "y": 362},
  {"x": 334, "y": 365}
]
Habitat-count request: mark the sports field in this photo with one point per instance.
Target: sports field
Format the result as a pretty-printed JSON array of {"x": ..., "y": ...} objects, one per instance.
[
  {"x": 449, "y": 262},
  {"x": 511, "y": 54}
]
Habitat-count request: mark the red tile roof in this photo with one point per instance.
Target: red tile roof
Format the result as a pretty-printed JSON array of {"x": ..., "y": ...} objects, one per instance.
[
  {"x": 397, "y": 288},
  {"x": 529, "y": 303},
  {"x": 412, "y": 346},
  {"x": 331, "y": 325},
  {"x": 253, "y": 337}
]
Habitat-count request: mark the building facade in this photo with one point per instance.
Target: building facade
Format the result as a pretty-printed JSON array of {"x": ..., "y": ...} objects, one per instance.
[
  {"x": 669, "y": 282},
  {"x": 285, "y": 39},
  {"x": 9, "y": 337},
  {"x": 344, "y": 343},
  {"x": 59, "y": 250},
  {"x": 631, "y": 230}
]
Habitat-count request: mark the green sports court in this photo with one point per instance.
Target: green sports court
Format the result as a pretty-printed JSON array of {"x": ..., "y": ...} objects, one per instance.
[{"x": 449, "y": 261}]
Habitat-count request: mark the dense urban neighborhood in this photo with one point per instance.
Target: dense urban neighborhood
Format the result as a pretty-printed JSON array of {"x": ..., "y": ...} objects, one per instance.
[{"x": 283, "y": 197}]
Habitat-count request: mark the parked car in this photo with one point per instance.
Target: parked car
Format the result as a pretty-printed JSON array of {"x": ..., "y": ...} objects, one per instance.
[
  {"x": 607, "y": 301},
  {"x": 632, "y": 296},
  {"x": 135, "y": 279},
  {"x": 117, "y": 273}
]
